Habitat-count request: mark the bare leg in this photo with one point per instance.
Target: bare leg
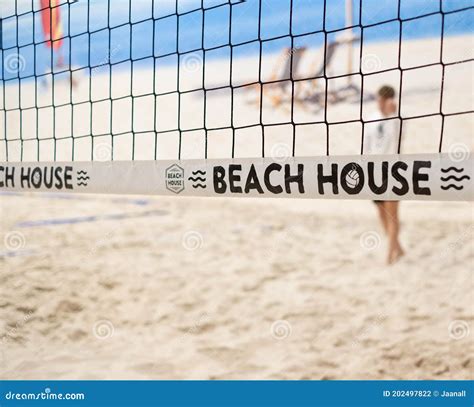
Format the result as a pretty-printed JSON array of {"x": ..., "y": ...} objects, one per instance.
[
  {"x": 60, "y": 64},
  {"x": 383, "y": 216},
  {"x": 60, "y": 60},
  {"x": 395, "y": 251}
]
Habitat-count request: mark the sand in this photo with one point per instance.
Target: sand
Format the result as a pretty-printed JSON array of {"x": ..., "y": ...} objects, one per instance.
[{"x": 103, "y": 287}]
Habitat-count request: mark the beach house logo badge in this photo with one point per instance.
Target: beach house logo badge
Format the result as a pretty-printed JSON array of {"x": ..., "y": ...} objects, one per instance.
[{"x": 174, "y": 178}]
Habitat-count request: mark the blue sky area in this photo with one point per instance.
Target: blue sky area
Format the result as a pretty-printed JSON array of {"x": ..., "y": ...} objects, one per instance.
[{"x": 154, "y": 31}]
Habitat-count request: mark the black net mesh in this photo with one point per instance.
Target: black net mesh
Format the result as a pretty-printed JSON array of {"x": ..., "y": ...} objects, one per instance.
[{"x": 131, "y": 80}]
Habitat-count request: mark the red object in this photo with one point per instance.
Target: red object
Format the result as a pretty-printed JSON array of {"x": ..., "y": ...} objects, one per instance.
[{"x": 51, "y": 21}]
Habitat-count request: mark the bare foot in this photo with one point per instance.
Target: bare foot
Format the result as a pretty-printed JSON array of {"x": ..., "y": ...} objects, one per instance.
[{"x": 395, "y": 254}]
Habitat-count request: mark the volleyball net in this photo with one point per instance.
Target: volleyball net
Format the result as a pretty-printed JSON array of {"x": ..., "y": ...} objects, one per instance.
[{"x": 355, "y": 99}]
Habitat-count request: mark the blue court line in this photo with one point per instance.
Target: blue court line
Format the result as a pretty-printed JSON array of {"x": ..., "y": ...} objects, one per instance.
[
  {"x": 52, "y": 195},
  {"x": 17, "y": 253},
  {"x": 88, "y": 219},
  {"x": 7, "y": 193}
]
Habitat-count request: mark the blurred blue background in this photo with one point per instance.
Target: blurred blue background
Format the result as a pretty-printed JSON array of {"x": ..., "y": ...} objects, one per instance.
[{"x": 156, "y": 33}]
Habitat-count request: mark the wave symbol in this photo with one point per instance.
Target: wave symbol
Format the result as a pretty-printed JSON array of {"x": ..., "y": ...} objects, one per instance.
[
  {"x": 445, "y": 170},
  {"x": 199, "y": 172},
  {"x": 451, "y": 186},
  {"x": 195, "y": 186},
  {"x": 197, "y": 179},
  {"x": 455, "y": 178}
]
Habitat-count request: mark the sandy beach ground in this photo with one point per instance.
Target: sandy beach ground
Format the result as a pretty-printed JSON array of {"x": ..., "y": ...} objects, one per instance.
[{"x": 115, "y": 287}]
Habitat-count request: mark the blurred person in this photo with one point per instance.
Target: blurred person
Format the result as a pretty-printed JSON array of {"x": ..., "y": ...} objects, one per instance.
[
  {"x": 382, "y": 138},
  {"x": 53, "y": 33}
]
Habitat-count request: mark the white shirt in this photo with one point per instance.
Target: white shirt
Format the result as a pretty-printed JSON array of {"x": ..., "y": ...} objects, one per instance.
[{"x": 381, "y": 137}]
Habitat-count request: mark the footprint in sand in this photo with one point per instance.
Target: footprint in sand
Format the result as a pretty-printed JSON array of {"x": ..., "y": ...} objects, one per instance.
[
  {"x": 419, "y": 317},
  {"x": 151, "y": 369},
  {"x": 68, "y": 307},
  {"x": 26, "y": 310},
  {"x": 44, "y": 289},
  {"x": 442, "y": 370},
  {"x": 77, "y": 335},
  {"x": 224, "y": 354}
]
